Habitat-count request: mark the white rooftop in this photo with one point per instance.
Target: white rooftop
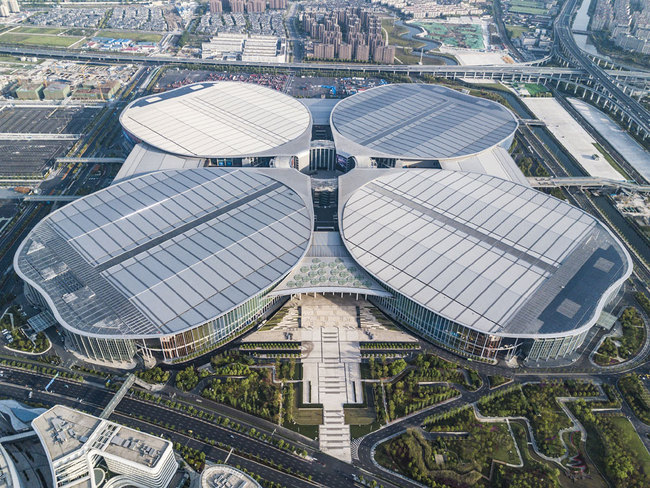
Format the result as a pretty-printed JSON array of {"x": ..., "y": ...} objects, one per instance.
[
  {"x": 418, "y": 121},
  {"x": 166, "y": 251},
  {"x": 220, "y": 119},
  {"x": 224, "y": 476},
  {"x": 481, "y": 251}
]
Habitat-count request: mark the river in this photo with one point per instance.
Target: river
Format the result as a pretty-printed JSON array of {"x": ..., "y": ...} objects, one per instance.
[
  {"x": 581, "y": 22},
  {"x": 411, "y": 35}
]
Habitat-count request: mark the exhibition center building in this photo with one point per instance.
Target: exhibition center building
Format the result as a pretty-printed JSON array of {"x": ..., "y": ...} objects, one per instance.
[{"x": 224, "y": 210}]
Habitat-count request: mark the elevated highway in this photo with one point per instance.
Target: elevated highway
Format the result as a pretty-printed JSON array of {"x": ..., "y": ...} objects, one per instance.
[
  {"x": 90, "y": 160},
  {"x": 631, "y": 111},
  {"x": 586, "y": 182},
  {"x": 510, "y": 72}
]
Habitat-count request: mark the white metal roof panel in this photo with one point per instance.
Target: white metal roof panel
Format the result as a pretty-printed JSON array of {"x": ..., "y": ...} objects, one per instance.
[
  {"x": 220, "y": 119},
  {"x": 523, "y": 260},
  {"x": 419, "y": 121},
  {"x": 208, "y": 245}
]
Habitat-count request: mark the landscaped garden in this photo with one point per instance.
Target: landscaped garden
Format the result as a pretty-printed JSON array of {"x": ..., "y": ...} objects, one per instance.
[
  {"x": 614, "y": 445},
  {"x": 255, "y": 394},
  {"x": 617, "y": 349},
  {"x": 537, "y": 403},
  {"x": 463, "y": 459},
  {"x": 23, "y": 343},
  {"x": 637, "y": 396}
]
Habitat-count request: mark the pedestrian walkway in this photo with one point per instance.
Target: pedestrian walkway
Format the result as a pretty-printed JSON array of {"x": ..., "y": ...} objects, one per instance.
[{"x": 330, "y": 329}]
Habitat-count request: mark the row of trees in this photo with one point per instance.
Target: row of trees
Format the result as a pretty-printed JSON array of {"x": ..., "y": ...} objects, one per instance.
[
  {"x": 620, "y": 461},
  {"x": 637, "y": 396},
  {"x": 255, "y": 394},
  {"x": 154, "y": 375},
  {"x": 41, "y": 369},
  {"x": 270, "y": 345}
]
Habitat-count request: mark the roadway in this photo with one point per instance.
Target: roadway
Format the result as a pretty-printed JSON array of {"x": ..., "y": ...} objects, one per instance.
[
  {"x": 453, "y": 71},
  {"x": 324, "y": 470},
  {"x": 632, "y": 108},
  {"x": 584, "y": 182},
  {"x": 134, "y": 412},
  {"x": 497, "y": 11}
]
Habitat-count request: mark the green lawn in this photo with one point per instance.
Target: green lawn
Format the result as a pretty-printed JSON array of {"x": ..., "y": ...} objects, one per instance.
[
  {"x": 308, "y": 416},
  {"x": 534, "y": 7},
  {"x": 39, "y": 30},
  {"x": 310, "y": 431},
  {"x": 505, "y": 451},
  {"x": 528, "y": 10},
  {"x": 632, "y": 441},
  {"x": 515, "y": 31},
  {"x": 134, "y": 36},
  {"x": 37, "y": 40},
  {"x": 534, "y": 89},
  {"x": 456, "y": 35},
  {"x": 359, "y": 416}
]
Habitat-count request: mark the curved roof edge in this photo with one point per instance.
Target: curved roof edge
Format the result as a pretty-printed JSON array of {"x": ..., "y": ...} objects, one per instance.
[
  {"x": 349, "y": 147},
  {"x": 297, "y": 181},
  {"x": 330, "y": 289},
  {"x": 293, "y": 147},
  {"x": 347, "y": 186}
]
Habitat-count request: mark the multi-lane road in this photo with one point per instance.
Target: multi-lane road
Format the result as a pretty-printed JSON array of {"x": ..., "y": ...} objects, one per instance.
[
  {"x": 132, "y": 411},
  {"x": 564, "y": 35}
]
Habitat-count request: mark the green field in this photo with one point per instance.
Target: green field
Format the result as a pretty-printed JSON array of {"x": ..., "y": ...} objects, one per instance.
[
  {"x": 515, "y": 31},
  {"x": 37, "y": 40},
  {"x": 455, "y": 35},
  {"x": 632, "y": 441},
  {"x": 39, "y": 30},
  {"x": 134, "y": 36},
  {"x": 527, "y": 7},
  {"x": 534, "y": 89}
]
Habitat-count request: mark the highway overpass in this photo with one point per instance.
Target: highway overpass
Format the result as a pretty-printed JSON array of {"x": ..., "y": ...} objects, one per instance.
[
  {"x": 586, "y": 182},
  {"x": 614, "y": 98},
  {"x": 508, "y": 72}
]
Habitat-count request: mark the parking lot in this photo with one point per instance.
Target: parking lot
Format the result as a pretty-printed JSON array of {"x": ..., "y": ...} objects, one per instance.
[
  {"x": 297, "y": 86},
  {"x": 16, "y": 120},
  {"x": 22, "y": 158}
]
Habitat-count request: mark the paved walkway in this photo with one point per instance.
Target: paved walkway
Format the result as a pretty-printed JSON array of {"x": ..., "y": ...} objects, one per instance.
[{"x": 330, "y": 329}]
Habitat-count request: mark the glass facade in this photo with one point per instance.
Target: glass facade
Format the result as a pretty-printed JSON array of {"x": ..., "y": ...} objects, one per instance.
[
  {"x": 545, "y": 349},
  {"x": 468, "y": 342},
  {"x": 100, "y": 349},
  {"x": 177, "y": 346},
  {"x": 211, "y": 333},
  {"x": 458, "y": 338}
]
